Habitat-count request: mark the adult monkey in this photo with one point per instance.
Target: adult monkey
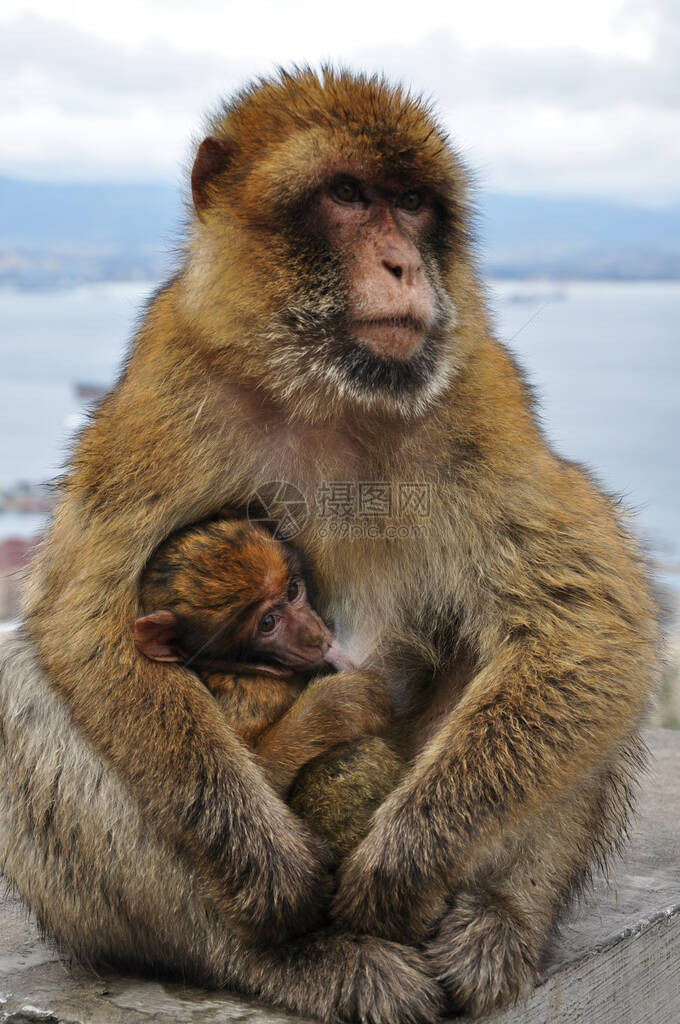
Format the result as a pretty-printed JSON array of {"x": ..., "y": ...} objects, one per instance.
[{"x": 328, "y": 325}]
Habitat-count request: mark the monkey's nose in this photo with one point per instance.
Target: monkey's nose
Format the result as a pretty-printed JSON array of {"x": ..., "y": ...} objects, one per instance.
[
  {"x": 402, "y": 264},
  {"x": 316, "y": 640},
  {"x": 394, "y": 268}
]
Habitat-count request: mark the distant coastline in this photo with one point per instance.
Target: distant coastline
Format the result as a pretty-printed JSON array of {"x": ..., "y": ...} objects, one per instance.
[
  {"x": 56, "y": 235},
  {"x": 46, "y": 269}
]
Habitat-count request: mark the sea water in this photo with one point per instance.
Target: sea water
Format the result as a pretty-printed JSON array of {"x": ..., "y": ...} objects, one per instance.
[{"x": 603, "y": 359}]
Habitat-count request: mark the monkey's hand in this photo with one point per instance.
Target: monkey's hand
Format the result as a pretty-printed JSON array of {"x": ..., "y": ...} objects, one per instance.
[
  {"x": 348, "y": 705},
  {"x": 332, "y": 710},
  {"x": 381, "y": 890}
]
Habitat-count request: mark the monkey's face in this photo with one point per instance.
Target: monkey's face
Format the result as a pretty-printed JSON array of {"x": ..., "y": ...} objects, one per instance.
[
  {"x": 286, "y": 630},
  {"x": 330, "y": 246},
  {"x": 391, "y": 306},
  {"x": 369, "y": 321}
]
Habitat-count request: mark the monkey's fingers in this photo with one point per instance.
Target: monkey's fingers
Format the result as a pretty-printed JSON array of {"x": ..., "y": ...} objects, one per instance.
[
  {"x": 345, "y": 978},
  {"x": 375, "y": 895},
  {"x": 292, "y": 895}
]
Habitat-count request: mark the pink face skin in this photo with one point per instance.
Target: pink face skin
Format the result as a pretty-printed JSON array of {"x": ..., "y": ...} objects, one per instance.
[
  {"x": 392, "y": 302},
  {"x": 337, "y": 659},
  {"x": 291, "y": 631}
]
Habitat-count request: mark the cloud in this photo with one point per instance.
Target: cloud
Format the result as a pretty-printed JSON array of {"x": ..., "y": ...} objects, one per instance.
[
  {"x": 529, "y": 116},
  {"x": 74, "y": 107},
  {"x": 567, "y": 76},
  {"x": 42, "y": 59}
]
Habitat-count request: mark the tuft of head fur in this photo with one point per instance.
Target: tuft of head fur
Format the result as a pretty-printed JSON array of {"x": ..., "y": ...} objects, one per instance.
[{"x": 225, "y": 563}]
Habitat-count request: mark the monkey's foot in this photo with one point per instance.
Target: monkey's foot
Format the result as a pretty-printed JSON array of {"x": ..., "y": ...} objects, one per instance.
[
  {"x": 482, "y": 955},
  {"x": 339, "y": 977}
]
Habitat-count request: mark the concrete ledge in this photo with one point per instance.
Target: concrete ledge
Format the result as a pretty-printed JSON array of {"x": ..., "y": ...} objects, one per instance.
[{"x": 617, "y": 962}]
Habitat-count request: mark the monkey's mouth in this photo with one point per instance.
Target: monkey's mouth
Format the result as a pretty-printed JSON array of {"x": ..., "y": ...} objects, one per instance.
[
  {"x": 310, "y": 661},
  {"x": 377, "y": 373},
  {"x": 357, "y": 354},
  {"x": 390, "y": 337}
]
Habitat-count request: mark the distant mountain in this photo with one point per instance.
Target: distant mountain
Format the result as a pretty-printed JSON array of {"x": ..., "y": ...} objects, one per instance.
[
  {"x": 58, "y": 235},
  {"x": 98, "y": 216},
  {"x": 578, "y": 237},
  {"x": 64, "y": 233}
]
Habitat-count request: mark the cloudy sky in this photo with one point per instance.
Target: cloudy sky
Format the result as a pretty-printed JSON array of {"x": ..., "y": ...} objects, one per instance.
[{"x": 577, "y": 98}]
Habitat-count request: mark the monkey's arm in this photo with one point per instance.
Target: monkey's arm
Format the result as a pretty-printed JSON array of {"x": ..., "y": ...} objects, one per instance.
[
  {"x": 251, "y": 704},
  {"x": 521, "y": 735},
  {"x": 559, "y": 689},
  {"x": 156, "y": 723},
  {"x": 195, "y": 780},
  {"x": 288, "y": 726},
  {"x": 332, "y": 710}
]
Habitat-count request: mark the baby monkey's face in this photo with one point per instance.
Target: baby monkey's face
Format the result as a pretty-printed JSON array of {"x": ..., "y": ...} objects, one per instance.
[
  {"x": 237, "y": 597},
  {"x": 285, "y": 629},
  {"x": 255, "y": 608}
]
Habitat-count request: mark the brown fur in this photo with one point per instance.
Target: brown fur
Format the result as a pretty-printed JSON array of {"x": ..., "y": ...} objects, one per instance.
[
  {"x": 213, "y": 577},
  {"x": 338, "y": 794},
  {"x": 518, "y": 633}
]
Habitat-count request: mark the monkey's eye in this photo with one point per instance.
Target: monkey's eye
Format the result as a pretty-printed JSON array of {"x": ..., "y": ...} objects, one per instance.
[
  {"x": 347, "y": 190},
  {"x": 411, "y": 201},
  {"x": 268, "y": 623},
  {"x": 295, "y": 588}
]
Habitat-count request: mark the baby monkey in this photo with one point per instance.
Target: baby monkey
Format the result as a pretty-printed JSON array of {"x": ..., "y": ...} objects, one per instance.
[{"x": 231, "y": 602}]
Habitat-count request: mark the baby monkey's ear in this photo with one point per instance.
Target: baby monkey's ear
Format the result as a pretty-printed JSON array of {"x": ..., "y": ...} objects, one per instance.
[{"x": 155, "y": 635}]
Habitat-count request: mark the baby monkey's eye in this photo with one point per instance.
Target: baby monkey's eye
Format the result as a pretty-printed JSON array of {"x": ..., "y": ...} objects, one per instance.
[
  {"x": 267, "y": 623},
  {"x": 347, "y": 190},
  {"x": 295, "y": 588},
  {"x": 411, "y": 201}
]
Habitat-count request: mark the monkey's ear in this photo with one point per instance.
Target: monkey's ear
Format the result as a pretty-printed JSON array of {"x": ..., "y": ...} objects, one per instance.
[
  {"x": 212, "y": 157},
  {"x": 155, "y": 634}
]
